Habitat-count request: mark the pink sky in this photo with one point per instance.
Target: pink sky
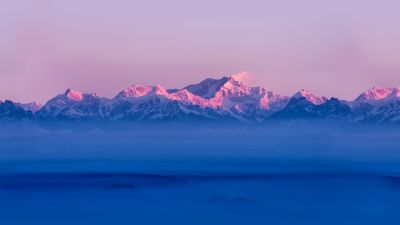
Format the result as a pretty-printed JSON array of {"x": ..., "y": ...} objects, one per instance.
[{"x": 334, "y": 48}]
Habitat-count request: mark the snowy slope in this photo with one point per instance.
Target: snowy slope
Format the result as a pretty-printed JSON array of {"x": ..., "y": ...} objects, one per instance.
[{"x": 225, "y": 99}]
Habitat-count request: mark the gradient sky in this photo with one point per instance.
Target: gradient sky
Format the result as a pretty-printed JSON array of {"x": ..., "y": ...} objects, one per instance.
[{"x": 333, "y": 48}]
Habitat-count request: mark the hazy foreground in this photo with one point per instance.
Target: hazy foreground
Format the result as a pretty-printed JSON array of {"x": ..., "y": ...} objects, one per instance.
[{"x": 175, "y": 175}]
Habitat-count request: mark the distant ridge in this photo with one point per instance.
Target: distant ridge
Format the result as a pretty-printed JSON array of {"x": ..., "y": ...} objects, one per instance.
[{"x": 225, "y": 99}]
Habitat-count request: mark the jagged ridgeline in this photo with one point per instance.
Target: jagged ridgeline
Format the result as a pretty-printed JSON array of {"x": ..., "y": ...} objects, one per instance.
[{"x": 226, "y": 99}]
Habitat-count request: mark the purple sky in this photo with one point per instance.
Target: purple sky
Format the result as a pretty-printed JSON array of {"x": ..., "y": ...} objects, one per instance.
[{"x": 333, "y": 48}]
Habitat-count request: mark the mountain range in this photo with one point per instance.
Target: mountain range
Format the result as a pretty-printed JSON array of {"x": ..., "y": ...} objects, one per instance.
[{"x": 225, "y": 99}]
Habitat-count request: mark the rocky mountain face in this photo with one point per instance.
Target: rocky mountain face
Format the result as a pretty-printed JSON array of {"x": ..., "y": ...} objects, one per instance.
[{"x": 225, "y": 99}]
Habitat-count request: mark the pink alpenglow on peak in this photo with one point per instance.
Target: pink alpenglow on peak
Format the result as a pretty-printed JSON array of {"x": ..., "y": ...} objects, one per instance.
[
  {"x": 74, "y": 95},
  {"x": 189, "y": 98},
  {"x": 225, "y": 98},
  {"x": 228, "y": 93},
  {"x": 377, "y": 93},
  {"x": 72, "y": 104},
  {"x": 234, "y": 93},
  {"x": 264, "y": 103},
  {"x": 310, "y": 97},
  {"x": 136, "y": 91},
  {"x": 207, "y": 88}
]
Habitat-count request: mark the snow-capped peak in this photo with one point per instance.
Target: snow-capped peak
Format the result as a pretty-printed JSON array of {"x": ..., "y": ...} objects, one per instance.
[
  {"x": 310, "y": 97},
  {"x": 207, "y": 88},
  {"x": 228, "y": 97},
  {"x": 74, "y": 95},
  {"x": 233, "y": 82},
  {"x": 229, "y": 93},
  {"x": 136, "y": 91},
  {"x": 189, "y": 98},
  {"x": 377, "y": 93}
]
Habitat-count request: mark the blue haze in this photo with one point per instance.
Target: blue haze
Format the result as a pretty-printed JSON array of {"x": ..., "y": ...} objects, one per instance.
[{"x": 270, "y": 174}]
